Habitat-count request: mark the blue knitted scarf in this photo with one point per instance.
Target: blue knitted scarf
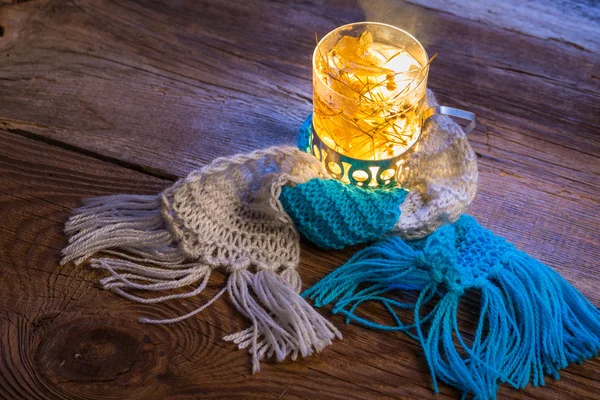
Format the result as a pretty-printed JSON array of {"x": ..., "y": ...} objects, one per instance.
[{"x": 531, "y": 322}]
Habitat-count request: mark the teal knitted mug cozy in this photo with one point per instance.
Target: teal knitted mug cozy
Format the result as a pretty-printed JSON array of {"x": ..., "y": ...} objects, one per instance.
[{"x": 334, "y": 215}]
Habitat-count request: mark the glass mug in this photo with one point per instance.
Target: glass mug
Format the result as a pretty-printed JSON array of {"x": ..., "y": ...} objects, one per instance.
[{"x": 369, "y": 86}]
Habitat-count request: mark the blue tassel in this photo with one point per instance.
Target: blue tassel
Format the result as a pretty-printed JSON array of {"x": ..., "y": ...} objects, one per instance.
[{"x": 532, "y": 322}]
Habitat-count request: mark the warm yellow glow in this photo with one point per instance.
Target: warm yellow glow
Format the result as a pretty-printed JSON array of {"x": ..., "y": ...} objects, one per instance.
[{"x": 368, "y": 96}]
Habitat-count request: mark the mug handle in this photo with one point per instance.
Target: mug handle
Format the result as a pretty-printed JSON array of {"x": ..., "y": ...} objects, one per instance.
[{"x": 452, "y": 112}]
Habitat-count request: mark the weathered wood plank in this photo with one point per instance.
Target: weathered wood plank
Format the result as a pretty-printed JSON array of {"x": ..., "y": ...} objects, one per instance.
[
  {"x": 195, "y": 67},
  {"x": 108, "y": 97},
  {"x": 575, "y": 23}
]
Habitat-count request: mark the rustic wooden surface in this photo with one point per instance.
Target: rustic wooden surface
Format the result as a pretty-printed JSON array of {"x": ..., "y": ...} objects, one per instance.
[{"x": 100, "y": 97}]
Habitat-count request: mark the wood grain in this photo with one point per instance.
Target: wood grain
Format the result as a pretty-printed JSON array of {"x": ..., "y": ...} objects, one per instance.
[
  {"x": 100, "y": 97},
  {"x": 66, "y": 338}
]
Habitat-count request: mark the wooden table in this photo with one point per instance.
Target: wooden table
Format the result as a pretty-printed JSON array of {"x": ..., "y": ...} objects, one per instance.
[{"x": 101, "y": 97}]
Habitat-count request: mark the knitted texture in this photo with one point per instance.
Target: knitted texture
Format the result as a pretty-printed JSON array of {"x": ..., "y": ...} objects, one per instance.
[
  {"x": 441, "y": 175},
  {"x": 228, "y": 214},
  {"x": 531, "y": 321},
  {"x": 225, "y": 215},
  {"x": 334, "y": 215}
]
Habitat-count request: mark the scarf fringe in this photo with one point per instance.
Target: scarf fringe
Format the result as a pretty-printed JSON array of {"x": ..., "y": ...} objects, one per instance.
[
  {"x": 132, "y": 228},
  {"x": 132, "y": 223},
  {"x": 531, "y": 323},
  {"x": 283, "y": 323}
]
